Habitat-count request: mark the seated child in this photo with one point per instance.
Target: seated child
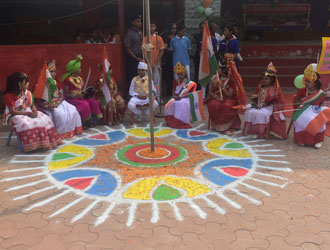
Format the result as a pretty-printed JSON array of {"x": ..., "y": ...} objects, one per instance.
[
  {"x": 113, "y": 110},
  {"x": 74, "y": 92},
  {"x": 267, "y": 100},
  {"x": 177, "y": 110},
  {"x": 310, "y": 121},
  {"x": 34, "y": 128},
  {"x": 64, "y": 115},
  {"x": 139, "y": 91}
]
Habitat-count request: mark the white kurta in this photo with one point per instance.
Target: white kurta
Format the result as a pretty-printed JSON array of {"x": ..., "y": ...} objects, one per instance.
[
  {"x": 136, "y": 101},
  {"x": 179, "y": 109}
]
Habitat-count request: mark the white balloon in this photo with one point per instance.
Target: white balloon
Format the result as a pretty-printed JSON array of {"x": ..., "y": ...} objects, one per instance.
[{"x": 208, "y": 11}]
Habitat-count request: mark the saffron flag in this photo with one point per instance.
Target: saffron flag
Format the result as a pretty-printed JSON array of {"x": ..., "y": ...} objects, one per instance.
[
  {"x": 106, "y": 77},
  {"x": 46, "y": 86},
  {"x": 208, "y": 65},
  {"x": 196, "y": 106}
]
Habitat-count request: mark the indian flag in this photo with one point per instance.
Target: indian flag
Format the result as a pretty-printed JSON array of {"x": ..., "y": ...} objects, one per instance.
[
  {"x": 196, "y": 106},
  {"x": 46, "y": 86},
  {"x": 208, "y": 65},
  {"x": 313, "y": 119},
  {"x": 106, "y": 79}
]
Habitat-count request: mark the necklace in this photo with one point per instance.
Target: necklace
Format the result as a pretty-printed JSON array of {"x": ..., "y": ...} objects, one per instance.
[{"x": 311, "y": 92}]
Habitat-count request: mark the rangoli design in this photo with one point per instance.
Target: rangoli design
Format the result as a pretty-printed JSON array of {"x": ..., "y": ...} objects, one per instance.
[{"x": 117, "y": 167}]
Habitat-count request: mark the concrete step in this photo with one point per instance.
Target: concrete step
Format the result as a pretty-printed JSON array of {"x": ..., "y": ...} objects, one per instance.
[
  {"x": 278, "y": 61},
  {"x": 282, "y": 70},
  {"x": 253, "y": 80},
  {"x": 280, "y": 50}
]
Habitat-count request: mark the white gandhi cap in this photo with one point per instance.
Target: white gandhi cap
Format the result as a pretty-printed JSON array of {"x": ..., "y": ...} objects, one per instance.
[{"x": 142, "y": 65}]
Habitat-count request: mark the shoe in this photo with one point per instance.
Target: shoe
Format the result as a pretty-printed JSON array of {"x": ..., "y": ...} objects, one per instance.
[
  {"x": 255, "y": 137},
  {"x": 318, "y": 145}
]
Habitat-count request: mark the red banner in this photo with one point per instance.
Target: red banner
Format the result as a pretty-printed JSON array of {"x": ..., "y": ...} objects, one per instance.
[{"x": 30, "y": 58}]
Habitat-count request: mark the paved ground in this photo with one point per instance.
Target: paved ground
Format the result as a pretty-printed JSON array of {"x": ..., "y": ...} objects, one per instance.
[{"x": 292, "y": 216}]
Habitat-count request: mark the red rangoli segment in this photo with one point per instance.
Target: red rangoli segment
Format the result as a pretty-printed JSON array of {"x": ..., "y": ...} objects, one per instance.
[
  {"x": 196, "y": 133},
  {"x": 236, "y": 172},
  {"x": 99, "y": 137},
  {"x": 80, "y": 183}
]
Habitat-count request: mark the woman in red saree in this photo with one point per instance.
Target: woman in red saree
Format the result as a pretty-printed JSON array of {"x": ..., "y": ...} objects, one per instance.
[
  {"x": 311, "y": 120},
  {"x": 267, "y": 104},
  {"x": 226, "y": 91}
]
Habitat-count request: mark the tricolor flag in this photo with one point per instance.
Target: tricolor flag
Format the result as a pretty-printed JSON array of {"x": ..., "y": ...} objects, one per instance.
[
  {"x": 196, "y": 106},
  {"x": 318, "y": 117},
  {"x": 208, "y": 65},
  {"x": 46, "y": 86},
  {"x": 106, "y": 77}
]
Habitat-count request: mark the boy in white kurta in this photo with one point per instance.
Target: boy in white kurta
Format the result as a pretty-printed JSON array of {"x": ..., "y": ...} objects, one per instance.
[{"x": 139, "y": 92}]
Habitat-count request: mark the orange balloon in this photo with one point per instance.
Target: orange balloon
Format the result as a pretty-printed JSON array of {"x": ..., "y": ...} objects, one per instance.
[{"x": 206, "y": 3}]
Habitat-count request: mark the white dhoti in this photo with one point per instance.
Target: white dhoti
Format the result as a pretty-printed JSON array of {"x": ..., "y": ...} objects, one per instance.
[{"x": 134, "y": 101}]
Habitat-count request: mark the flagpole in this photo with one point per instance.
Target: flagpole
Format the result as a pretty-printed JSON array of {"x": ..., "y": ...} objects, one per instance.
[
  {"x": 160, "y": 75},
  {"x": 151, "y": 112}
]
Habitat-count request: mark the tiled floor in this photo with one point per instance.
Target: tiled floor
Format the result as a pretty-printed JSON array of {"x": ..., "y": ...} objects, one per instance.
[{"x": 293, "y": 216}]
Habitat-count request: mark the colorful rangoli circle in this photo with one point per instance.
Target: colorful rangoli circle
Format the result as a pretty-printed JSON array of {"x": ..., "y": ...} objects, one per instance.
[{"x": 132, "y": 155}]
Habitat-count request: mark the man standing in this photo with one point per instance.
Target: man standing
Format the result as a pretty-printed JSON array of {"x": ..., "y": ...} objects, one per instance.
[
  {"x": 180, "y": 45},
  {"x": 133, "y": 43},
  {"x": 156, "y": 55}
]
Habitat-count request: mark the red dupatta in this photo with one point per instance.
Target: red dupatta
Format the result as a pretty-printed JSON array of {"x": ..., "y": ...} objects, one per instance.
[{"x": 237, "y": 79}]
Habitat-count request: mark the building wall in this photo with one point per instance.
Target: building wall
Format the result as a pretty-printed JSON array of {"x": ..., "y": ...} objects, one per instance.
[{"x": 193, "y": 19}]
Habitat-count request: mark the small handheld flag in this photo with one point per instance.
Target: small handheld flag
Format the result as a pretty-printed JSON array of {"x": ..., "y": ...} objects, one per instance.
[
  {"x": 196, "y": 106},
  {"x": 46, "y": 86},
  {"x": 106, "y": 77}
]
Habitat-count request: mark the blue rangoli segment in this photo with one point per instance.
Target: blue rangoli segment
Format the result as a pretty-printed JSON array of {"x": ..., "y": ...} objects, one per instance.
[
  {"x": 105, "y": 184},
  {"x": 210, "y": 172},
  {"x": 186, "y": 134},
  {"x": 114, "y": 137}
]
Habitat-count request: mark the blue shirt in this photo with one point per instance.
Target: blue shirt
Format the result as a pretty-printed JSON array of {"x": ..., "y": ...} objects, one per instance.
[
  {"x": 180, "y": 47},
  {"x": 229, "y": 46}
]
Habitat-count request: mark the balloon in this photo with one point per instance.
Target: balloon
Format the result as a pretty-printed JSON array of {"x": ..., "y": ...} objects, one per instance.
[
  {"x": 201, "y": 10},
  {"x": 298, "y": 82},
  {"x": 206, "y": 3},
  {"x": 208, "y": 11}
]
